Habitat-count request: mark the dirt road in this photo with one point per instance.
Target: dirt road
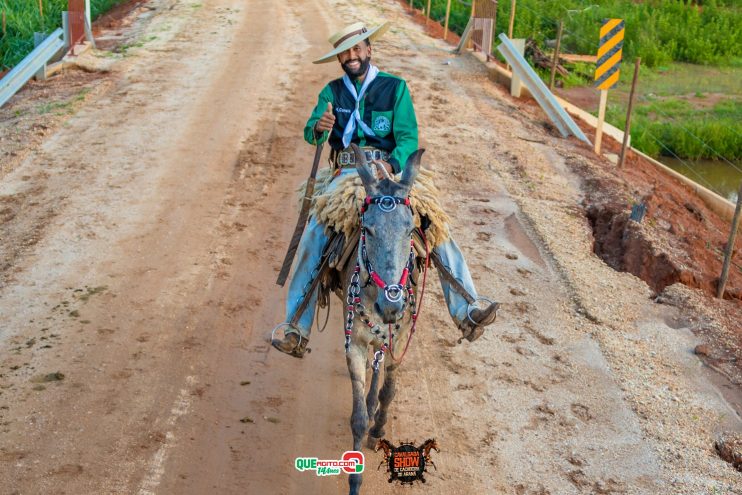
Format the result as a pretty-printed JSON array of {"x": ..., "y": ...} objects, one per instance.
[{"x": 140, "y": 244}]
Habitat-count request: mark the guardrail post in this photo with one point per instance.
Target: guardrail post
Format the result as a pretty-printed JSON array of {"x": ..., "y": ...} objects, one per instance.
[
  {"x": 730, "y": 247},
  {"x": 40, "y": 75},
  {"x": 515, "y": 82},
  {"x": 66, "y": 29}
]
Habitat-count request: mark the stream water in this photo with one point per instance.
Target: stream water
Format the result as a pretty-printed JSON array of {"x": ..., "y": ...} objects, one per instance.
[{"x": 719, "y": 176}]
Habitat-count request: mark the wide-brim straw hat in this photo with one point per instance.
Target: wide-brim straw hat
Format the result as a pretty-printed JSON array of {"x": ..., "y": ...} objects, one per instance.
[{"x": 349, "y": 37}]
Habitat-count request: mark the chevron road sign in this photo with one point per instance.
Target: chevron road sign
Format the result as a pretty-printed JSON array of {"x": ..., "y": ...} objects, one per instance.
[{"x": 609, "y": 53}]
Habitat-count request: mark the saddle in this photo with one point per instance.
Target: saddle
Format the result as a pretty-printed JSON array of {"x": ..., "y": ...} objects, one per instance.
[
  {"x": 337, "y": 255},
  {"x": 336, "y": 208}
]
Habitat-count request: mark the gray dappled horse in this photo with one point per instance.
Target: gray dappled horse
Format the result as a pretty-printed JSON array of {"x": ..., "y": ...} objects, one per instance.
[{"x": 380, "y": 299}]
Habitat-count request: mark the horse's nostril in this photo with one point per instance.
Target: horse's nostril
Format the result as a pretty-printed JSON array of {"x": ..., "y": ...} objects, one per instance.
[{"x": 377, "y": 308}]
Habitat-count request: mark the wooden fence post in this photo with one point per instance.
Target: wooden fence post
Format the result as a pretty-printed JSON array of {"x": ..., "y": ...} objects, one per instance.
[
  {"x": 5, "y": 30},
  {"x": 41, "y": 9},
  {"x": 512, "y": 19},
  {"x": 730, "y": 246},
  {"x": 627, "y": 127},
  {"x": 555, "y": 61},
  {"x": 448, "y": 14},
  {"x": 427, "y": 14}
]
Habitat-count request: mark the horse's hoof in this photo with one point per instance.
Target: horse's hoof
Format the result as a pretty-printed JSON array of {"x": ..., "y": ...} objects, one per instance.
[{"x": 372, "y": 441}]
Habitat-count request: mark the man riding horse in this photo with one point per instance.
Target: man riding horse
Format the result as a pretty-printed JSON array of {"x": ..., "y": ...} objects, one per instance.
[{"x": 373, "y": 110}]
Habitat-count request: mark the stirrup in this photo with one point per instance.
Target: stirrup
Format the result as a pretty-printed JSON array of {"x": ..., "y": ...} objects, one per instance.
[
  {"x": 292, "y": 343},
  {"x": 473, "y": 329}
]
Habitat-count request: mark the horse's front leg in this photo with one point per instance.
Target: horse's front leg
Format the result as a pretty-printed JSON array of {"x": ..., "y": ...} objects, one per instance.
[
  {"x": 385, "y": 398},
  {"x": 356, "y": 359}
]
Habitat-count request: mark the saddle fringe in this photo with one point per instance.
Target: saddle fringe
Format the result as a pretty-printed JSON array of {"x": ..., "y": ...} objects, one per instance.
[{"x": 338, "y": 208}]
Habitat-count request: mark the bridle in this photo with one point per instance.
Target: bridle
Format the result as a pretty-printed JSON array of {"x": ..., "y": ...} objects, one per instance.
[{"x": 393, "y": 293}]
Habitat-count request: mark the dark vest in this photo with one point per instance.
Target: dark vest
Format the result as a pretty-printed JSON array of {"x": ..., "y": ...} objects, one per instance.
[{"x": 378, "y": 112}]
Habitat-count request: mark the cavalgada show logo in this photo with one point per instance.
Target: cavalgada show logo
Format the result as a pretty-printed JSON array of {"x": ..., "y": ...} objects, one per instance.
[
  {"x": 407, "y": 463},
  {"x": 351, "y": 462}
]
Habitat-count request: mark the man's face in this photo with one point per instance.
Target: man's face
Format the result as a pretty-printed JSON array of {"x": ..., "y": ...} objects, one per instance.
[{"x": 355, "y": 60}]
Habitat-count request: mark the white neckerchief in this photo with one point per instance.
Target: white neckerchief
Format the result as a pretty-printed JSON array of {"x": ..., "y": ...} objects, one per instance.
[{"x": 350, "y": 127}]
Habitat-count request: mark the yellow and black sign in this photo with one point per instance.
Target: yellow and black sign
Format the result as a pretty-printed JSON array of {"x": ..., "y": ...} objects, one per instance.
[{"x": 609, "y": 53}]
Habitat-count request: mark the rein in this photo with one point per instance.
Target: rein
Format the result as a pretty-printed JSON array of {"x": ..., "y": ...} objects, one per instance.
[{"x": 393, "y": 293}]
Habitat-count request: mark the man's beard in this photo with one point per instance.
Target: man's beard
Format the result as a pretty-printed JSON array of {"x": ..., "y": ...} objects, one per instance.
[{"x": 355, "y": 74}]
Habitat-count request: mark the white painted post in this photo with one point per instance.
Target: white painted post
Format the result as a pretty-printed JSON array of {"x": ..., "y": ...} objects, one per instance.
[
  {"x": 601, "y": 119},
  {"x": 89, "y": 24},
  {"x": 66, "y": 29},
  {"x": 40, "y": 75},
  {"x": 515, "y": 83}
]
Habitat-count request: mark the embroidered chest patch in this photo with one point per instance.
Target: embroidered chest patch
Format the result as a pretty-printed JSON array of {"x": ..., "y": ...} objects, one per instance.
[{"x": 382, "y": 124}]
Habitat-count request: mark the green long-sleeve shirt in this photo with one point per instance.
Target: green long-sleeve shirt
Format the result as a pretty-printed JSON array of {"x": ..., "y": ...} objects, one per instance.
[{"x": 386, "y": 108}]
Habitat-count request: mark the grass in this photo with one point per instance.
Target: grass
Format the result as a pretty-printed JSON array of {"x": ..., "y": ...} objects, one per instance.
[
  {"x": 658, "y": 31},
  {"x": 691, "y": 65},
  {"x": 61, "y": 108},
  {"x": 671, "y": 109},
  {"x": 673, "y": 126},
  {"x": 24, "y": 18}
]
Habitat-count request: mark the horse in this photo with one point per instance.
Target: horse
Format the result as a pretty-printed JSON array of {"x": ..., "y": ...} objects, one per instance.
[
  {"x": 387, "y": 446},
  {"x": 426, "y": 447},
  {"x": 378, "y": 292}
]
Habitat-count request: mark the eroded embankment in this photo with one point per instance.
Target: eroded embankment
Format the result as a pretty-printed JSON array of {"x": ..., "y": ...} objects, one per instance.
[{"x": 676, "y": 240}]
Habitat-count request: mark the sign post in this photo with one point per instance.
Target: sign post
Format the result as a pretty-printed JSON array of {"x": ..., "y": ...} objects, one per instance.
[
  {"x": 607, "y": 71},
  {"x": 448, "y": 14}
]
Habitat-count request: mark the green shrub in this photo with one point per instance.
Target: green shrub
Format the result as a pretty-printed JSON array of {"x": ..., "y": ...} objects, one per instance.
[{"x": 659, "y": 31}]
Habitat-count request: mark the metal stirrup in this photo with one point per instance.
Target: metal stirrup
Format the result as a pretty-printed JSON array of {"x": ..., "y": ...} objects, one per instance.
[{"x": 472, "y": 307}]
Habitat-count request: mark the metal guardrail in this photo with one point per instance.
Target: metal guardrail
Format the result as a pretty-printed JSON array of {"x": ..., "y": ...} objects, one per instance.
[
  {"x": 540, "y": 92},
  {"x": 21, "y": 73}
]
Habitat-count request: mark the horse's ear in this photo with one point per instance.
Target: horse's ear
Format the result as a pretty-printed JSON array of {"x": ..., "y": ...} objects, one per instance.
[
  {"x": 364, "y": 171},
  {"x": 412, "y": 168}
]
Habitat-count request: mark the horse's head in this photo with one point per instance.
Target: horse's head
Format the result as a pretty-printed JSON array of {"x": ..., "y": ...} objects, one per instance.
[
  {"x": 429, "y": 445},
  {"x": 383, "y": 444},
  {"x": 388, "y": 224}
]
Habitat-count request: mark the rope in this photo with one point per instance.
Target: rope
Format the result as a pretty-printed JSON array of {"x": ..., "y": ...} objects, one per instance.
[
  {"x": 327, "y": 316},
  {"x": 419, "y": 305}
]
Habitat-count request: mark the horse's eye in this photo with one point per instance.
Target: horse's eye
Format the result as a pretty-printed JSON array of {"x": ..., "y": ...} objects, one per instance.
[{"x": 369, "y": 231}]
